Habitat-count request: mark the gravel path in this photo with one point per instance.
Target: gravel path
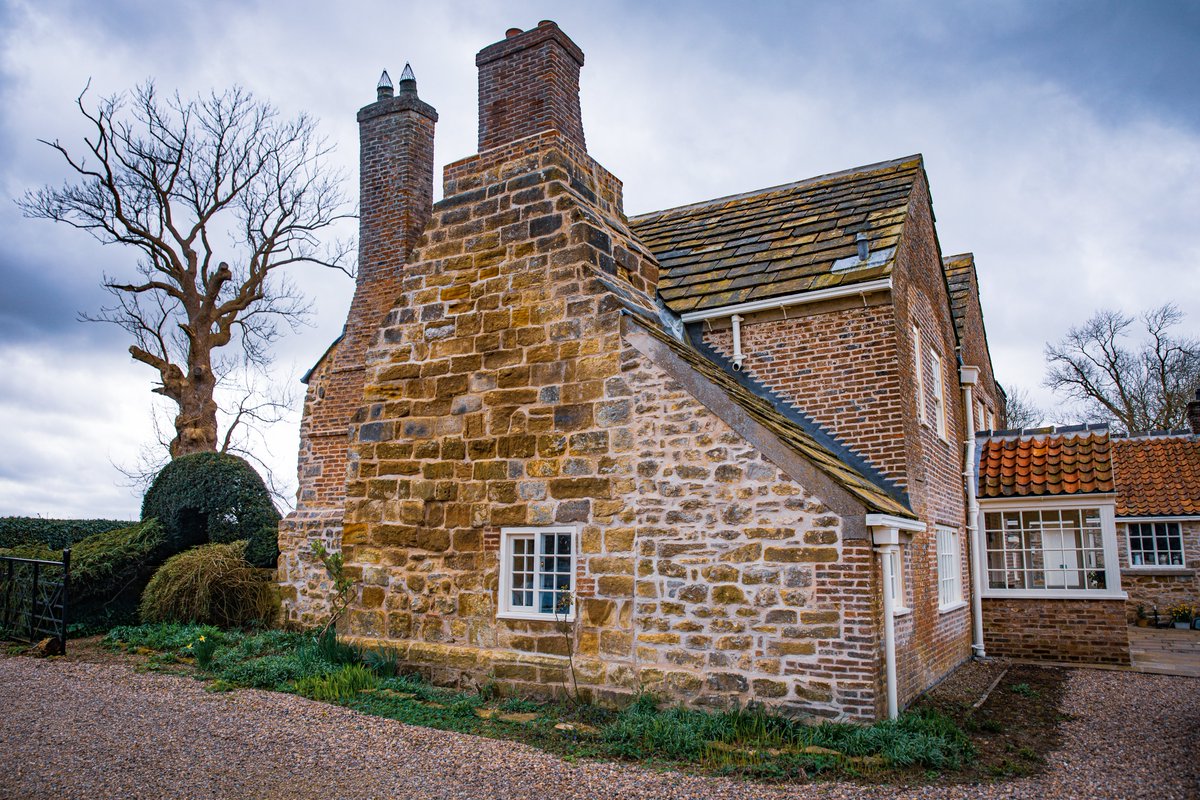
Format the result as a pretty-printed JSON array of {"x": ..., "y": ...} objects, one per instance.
[{"x": 83, "y": 730}]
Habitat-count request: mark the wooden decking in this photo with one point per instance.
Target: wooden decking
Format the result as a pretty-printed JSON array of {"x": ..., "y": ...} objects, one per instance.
[{"x": 1165, "y": 651}]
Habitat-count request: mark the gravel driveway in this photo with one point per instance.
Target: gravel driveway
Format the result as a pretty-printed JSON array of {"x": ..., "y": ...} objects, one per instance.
[{"x": 84, "y": 730}]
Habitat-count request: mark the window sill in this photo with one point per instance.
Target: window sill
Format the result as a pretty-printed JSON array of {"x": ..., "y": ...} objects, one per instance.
[
  {"x": 952, "y": 607},
  {"x": 1180, "y": 571},
  {"x": 533, "y": 616},
  {"x": 1052, "y": 594},
  {"x": 901, "y": 611}
]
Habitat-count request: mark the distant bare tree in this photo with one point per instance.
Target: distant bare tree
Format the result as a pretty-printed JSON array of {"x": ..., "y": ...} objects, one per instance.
[
  {"x": 1020, "y": 411},
  {"x": 1141, "y": 387},
  {"x": 216, "y": 195}
]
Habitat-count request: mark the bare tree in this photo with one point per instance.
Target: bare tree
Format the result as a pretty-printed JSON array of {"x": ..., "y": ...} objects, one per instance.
[
  {"x": 216, "y": 195},
  {"x": 1020, "y": 411},
  {"x": 1141, "y": 387}
]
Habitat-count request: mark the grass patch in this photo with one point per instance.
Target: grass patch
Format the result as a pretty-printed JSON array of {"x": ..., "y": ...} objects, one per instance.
[{"x": 920, "y": 745}]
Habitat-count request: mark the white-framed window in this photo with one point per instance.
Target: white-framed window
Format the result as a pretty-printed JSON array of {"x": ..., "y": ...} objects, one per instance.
[
  {"x": 895, "y": 559},
  {"x": 1062, "y": 547},
  {"x": 981, "y": 416},
  {"x": 939, "y": 396},
  {"x": 537, "y": 573},
  {"x": 949, "y": 558},
  {"x": 991, "y": 420},
  {"x": 919, "y": 369},
  {"x": 1155, "y": 544}
]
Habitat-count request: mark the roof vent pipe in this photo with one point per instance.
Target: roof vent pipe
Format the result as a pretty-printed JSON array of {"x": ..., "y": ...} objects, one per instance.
[
  {"x": 737, "y": 342},
  {"x": 864, "y": 246}
]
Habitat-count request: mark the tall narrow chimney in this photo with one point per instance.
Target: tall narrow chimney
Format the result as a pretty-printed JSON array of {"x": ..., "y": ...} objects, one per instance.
[
  {"x": 1193, "y": 414},
  {"x": 395, "y": 175},
  {"x": 529, "y": 83}
]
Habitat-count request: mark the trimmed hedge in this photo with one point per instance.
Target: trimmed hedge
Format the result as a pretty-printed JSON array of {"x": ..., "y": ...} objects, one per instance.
[
  {"x": 212, "y": 584},
  {"x": 53, "y": 533},
  {"x": 108, "y": 572},
  {"x": 215, "y": 497}
]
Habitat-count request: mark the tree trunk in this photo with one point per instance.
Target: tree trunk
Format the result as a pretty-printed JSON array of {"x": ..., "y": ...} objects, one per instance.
[{"x": 196, "y": 422}]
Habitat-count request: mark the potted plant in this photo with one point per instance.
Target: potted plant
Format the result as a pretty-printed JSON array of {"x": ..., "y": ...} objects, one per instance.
[
  {"x": 1181, "y": 615},
  {"x": 1143, "y": 620}
]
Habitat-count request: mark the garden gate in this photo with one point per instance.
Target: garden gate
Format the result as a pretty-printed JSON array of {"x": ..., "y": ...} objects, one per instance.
[{"x": 33, "y": 598}]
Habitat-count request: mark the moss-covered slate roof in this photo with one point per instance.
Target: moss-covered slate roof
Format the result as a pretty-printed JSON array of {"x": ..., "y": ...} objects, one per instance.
[
  {"x": 959, "y": 270},
  {"x": 778, "y": 241},
  {"x": 791, "y": 434}
]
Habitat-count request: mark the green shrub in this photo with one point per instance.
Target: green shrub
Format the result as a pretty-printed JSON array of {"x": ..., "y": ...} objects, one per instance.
[
  {"x": 335, "y": 686},
  {"x": 212, "y": 584},
  {"x": 53, "y": 533},
  {"x": 168, "y": 638},
  {"x": 215, "y": 497},
  {"x": 108, "y": 572}
]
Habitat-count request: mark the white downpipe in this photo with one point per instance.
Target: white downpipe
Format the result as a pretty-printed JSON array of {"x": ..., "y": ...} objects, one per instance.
[
  {"x": 737, "y": 342},
  {"x": 968, "y": 377},
  {"x": 889, "y": 628}
]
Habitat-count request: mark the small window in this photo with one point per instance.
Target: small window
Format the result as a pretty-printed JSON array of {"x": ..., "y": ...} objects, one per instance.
[
  {"x": 919, "y": 369},
  {"x": 949, "y": 575},
  {"x": 1155, "y": 544},
  {"x": 981, "y": 423},
  {"x": 537, "y": 573},
  {"x": 991, "y": 420},
  {"x": 896, "y": 587},
  {"x": 939, "y": 396}
]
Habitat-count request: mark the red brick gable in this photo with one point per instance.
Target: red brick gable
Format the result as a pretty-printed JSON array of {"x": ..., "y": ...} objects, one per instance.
[
  {"x": 1046, "y": 463},
  {"x": 1157, "y": 475}
]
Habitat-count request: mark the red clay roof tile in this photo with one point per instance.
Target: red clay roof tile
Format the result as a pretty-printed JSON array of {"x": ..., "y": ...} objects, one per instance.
[{"x": 1157, "y": 475}]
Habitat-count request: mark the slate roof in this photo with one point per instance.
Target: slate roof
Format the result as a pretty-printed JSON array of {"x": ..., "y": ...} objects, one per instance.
[
  {"x": 779, "y": 241},
  {"x": 959, "y": 269},
  {"x": 1157, "y": 475},
  {"x": 1045, "y": 462},
  {"x": 793, "y": 435}
]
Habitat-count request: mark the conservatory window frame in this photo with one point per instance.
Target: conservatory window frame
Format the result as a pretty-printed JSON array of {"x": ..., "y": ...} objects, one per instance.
[{"x": 1106, "y": 506}]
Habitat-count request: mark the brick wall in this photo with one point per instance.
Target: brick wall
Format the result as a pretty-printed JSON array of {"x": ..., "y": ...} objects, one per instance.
[
  {"x": 529, "y": 83},
  {"x": 1082, "y": 631},
  {"x": 931, "y": 642},
  {"x": 396, "y": 190},
  {"x": 1161, "y": 587},
  {"x": 837, "y": 363}
]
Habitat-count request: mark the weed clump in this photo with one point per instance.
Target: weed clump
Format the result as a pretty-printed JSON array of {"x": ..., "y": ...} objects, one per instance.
[{"x": 213, "y": 584}]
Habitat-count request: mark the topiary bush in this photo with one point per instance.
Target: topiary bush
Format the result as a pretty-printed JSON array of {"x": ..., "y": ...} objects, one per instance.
[
  {"x": 108, "y": 572},
  {"x": 53, "y": 533},
  {"x": 215, "y": 497},
  {"x": 212, "y": 584}
]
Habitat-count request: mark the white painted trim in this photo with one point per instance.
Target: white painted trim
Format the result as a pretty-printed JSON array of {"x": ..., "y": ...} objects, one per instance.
[
  {"x": 1105, "y": 504},
  {"x": 504, "y": 609},
  {"x": 1123, "y": 520},
  {"x": 803, "y": 298},
  {"x": 952, "y": 607},
  {"x": 975, "y": 543},
  {"x": 892, "y": 521},
  {"x": 1129, "y": 545},
  {"x": 1095, "y": 500},
  {"x": 1054, "y": 594}
]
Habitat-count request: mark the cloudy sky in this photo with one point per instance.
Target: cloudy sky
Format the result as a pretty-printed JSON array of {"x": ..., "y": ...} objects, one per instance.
[{"x": 1062, "y": 141}]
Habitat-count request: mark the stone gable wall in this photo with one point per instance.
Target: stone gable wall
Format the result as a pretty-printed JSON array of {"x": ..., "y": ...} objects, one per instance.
[{"x": 500, "y": 394}]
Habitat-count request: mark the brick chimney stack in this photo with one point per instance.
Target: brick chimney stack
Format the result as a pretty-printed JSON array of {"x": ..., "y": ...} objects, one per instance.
[
  {"x": 396, "y": 175},
  {"x": 529, "y": 83},
  {"x": 1193, "y": 414}
]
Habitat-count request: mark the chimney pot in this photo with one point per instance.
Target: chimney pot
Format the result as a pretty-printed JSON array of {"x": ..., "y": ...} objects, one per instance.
[
  {"x": 511, "y": 32},
  {"x": 383, "y": 89}
]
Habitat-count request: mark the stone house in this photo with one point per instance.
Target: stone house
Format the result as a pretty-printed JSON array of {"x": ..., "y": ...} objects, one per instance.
[
  {"x": 1080, "y": 528},
  {"x": 716, "y": 452}
]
